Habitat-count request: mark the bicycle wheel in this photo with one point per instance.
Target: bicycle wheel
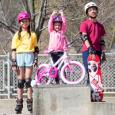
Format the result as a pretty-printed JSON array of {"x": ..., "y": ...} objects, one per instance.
[
  {"x": 72, "y": 72},
  {"x": 42, "y": 75}
]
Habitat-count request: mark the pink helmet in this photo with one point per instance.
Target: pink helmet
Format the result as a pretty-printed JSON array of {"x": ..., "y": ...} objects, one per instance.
[
  {"x": 57, "y": 19},
  {"x": 23, "y": 15}
]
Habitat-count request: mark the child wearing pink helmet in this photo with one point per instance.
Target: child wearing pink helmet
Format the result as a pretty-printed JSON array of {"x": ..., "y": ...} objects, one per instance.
[
  {"x": 58, "y": 43},
  {"x": 24, "y": 56}
]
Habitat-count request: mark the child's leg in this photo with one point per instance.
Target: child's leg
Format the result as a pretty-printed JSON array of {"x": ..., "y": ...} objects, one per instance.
[
  {"x": 55, "y": 56},
  {"x": 21, "y": 82},
  {"x": 20, "y": 86},
  {"x": 28, "y": 75},
  {"x": 85, "y": 62},
  {"x": 29, "y": 59}
]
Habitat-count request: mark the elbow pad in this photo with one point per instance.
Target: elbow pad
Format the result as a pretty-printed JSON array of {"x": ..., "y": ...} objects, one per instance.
[
  {"x": 14, "y": 49},
  {"x": 36, "y": 50},
  {"x": 84, "y": 37}
]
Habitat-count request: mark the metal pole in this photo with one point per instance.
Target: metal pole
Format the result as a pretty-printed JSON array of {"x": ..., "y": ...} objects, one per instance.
[{"x": 8, "y": 73}]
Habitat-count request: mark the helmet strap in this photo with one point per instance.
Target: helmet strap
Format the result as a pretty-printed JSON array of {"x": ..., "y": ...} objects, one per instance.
[{"x": 92, "y": 17}]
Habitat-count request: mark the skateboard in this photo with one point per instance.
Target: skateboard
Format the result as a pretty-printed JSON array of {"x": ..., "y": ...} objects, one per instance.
[{"x": 95, "y": 78}]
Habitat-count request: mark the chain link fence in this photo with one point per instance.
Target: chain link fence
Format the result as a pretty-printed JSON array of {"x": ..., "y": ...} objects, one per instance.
[{"x": 8, "y": 80}]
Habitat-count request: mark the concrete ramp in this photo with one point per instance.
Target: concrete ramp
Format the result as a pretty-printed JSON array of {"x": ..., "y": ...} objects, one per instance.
[
  {"x": 68, "y": 100},
  {"x": 64, "y": 100}
]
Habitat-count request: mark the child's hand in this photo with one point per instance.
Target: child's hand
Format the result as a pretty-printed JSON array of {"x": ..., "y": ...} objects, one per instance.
[
  {"x": 54, "y": 12},
  {"x": 35, "y": 64},
  {"x": 61, "y": 12}
]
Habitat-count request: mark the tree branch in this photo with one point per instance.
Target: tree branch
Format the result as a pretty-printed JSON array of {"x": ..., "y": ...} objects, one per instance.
[{"x": 7, "y": 27}]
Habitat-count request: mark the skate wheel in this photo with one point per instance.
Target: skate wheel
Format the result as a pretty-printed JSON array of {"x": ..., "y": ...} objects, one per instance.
[{"x": 18, "y": 112}]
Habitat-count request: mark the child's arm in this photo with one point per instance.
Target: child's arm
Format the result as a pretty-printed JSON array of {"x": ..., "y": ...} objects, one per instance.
[
  {"x": 13, "y": 54},
  {"x": 64, "y": 24},
  {"x": 36, "y": 50},
  {"x": 50, "y": 23}
]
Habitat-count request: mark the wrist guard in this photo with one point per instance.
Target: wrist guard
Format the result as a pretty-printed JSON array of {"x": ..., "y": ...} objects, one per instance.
[
  {"x": 36, "y": 50},
  {"x": 35, "y": 62},
  {"x": 36, "y": 59},
  {"x": 14, "y": 63}
]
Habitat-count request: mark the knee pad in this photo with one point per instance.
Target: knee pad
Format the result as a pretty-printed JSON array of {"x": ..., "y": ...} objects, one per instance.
[
  {"x": 28, "y": 83},
  {"x": 21, "y": 83}
]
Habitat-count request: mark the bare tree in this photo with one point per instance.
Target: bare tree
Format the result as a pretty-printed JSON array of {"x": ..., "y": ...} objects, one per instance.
[
  {"x": 40, "y": 11},
  {"x": 41, "y": 17}
]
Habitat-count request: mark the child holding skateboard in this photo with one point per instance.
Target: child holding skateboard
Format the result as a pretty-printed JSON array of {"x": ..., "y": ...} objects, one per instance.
[{"x": 92, "y": 34}]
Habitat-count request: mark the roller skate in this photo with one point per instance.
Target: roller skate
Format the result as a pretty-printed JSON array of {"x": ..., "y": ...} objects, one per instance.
[
  {"x": 30, "y": 105},
  {"x": 19, "y": 106}
]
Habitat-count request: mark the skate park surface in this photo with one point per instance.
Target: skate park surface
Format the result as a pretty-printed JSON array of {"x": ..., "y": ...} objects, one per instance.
[{"x": 62, "y": 100}]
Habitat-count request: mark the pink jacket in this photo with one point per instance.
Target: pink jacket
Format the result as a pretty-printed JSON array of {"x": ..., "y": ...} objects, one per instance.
[{"x": 57, "y": 41}]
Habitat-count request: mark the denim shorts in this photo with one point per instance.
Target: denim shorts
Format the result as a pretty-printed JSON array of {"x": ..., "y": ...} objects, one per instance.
[{"x": 25, "y": 59}]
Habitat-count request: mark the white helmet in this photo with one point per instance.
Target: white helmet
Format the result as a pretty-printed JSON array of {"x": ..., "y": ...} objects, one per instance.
[{"x": 88, "y": 5}]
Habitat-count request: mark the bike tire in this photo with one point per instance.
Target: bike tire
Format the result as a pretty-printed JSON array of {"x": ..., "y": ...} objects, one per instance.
[
  {"x": 72, "y": 69},
  {"x": 42, "y": 75}
]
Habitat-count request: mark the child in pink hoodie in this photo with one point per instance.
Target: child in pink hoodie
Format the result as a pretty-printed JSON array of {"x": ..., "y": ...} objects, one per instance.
[{"x": 57, "y": 41}]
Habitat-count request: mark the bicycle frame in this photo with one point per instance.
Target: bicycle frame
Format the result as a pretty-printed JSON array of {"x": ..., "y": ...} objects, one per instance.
[
  {"x": 59, "y": 62},
  {"x": 62, "y": 60},
  {"x": 46, "y": 72}
]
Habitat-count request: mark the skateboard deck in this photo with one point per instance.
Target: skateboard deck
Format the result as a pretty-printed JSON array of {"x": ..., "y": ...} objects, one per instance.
[{"x": 95, "y": 78}]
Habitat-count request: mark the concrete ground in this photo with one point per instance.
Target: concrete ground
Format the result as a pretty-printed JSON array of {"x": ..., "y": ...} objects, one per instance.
[{"x": 7, "y": 106}]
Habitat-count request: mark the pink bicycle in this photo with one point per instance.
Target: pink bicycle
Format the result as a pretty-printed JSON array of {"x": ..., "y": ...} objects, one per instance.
[{"x": 71, "y": 72}]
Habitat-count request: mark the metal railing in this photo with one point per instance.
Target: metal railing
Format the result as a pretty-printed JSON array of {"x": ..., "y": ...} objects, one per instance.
[{"x": 8, "y": 80}]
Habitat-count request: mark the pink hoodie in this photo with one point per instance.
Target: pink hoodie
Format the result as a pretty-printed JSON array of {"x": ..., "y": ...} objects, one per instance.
[{"x": 57, "y": 41}]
